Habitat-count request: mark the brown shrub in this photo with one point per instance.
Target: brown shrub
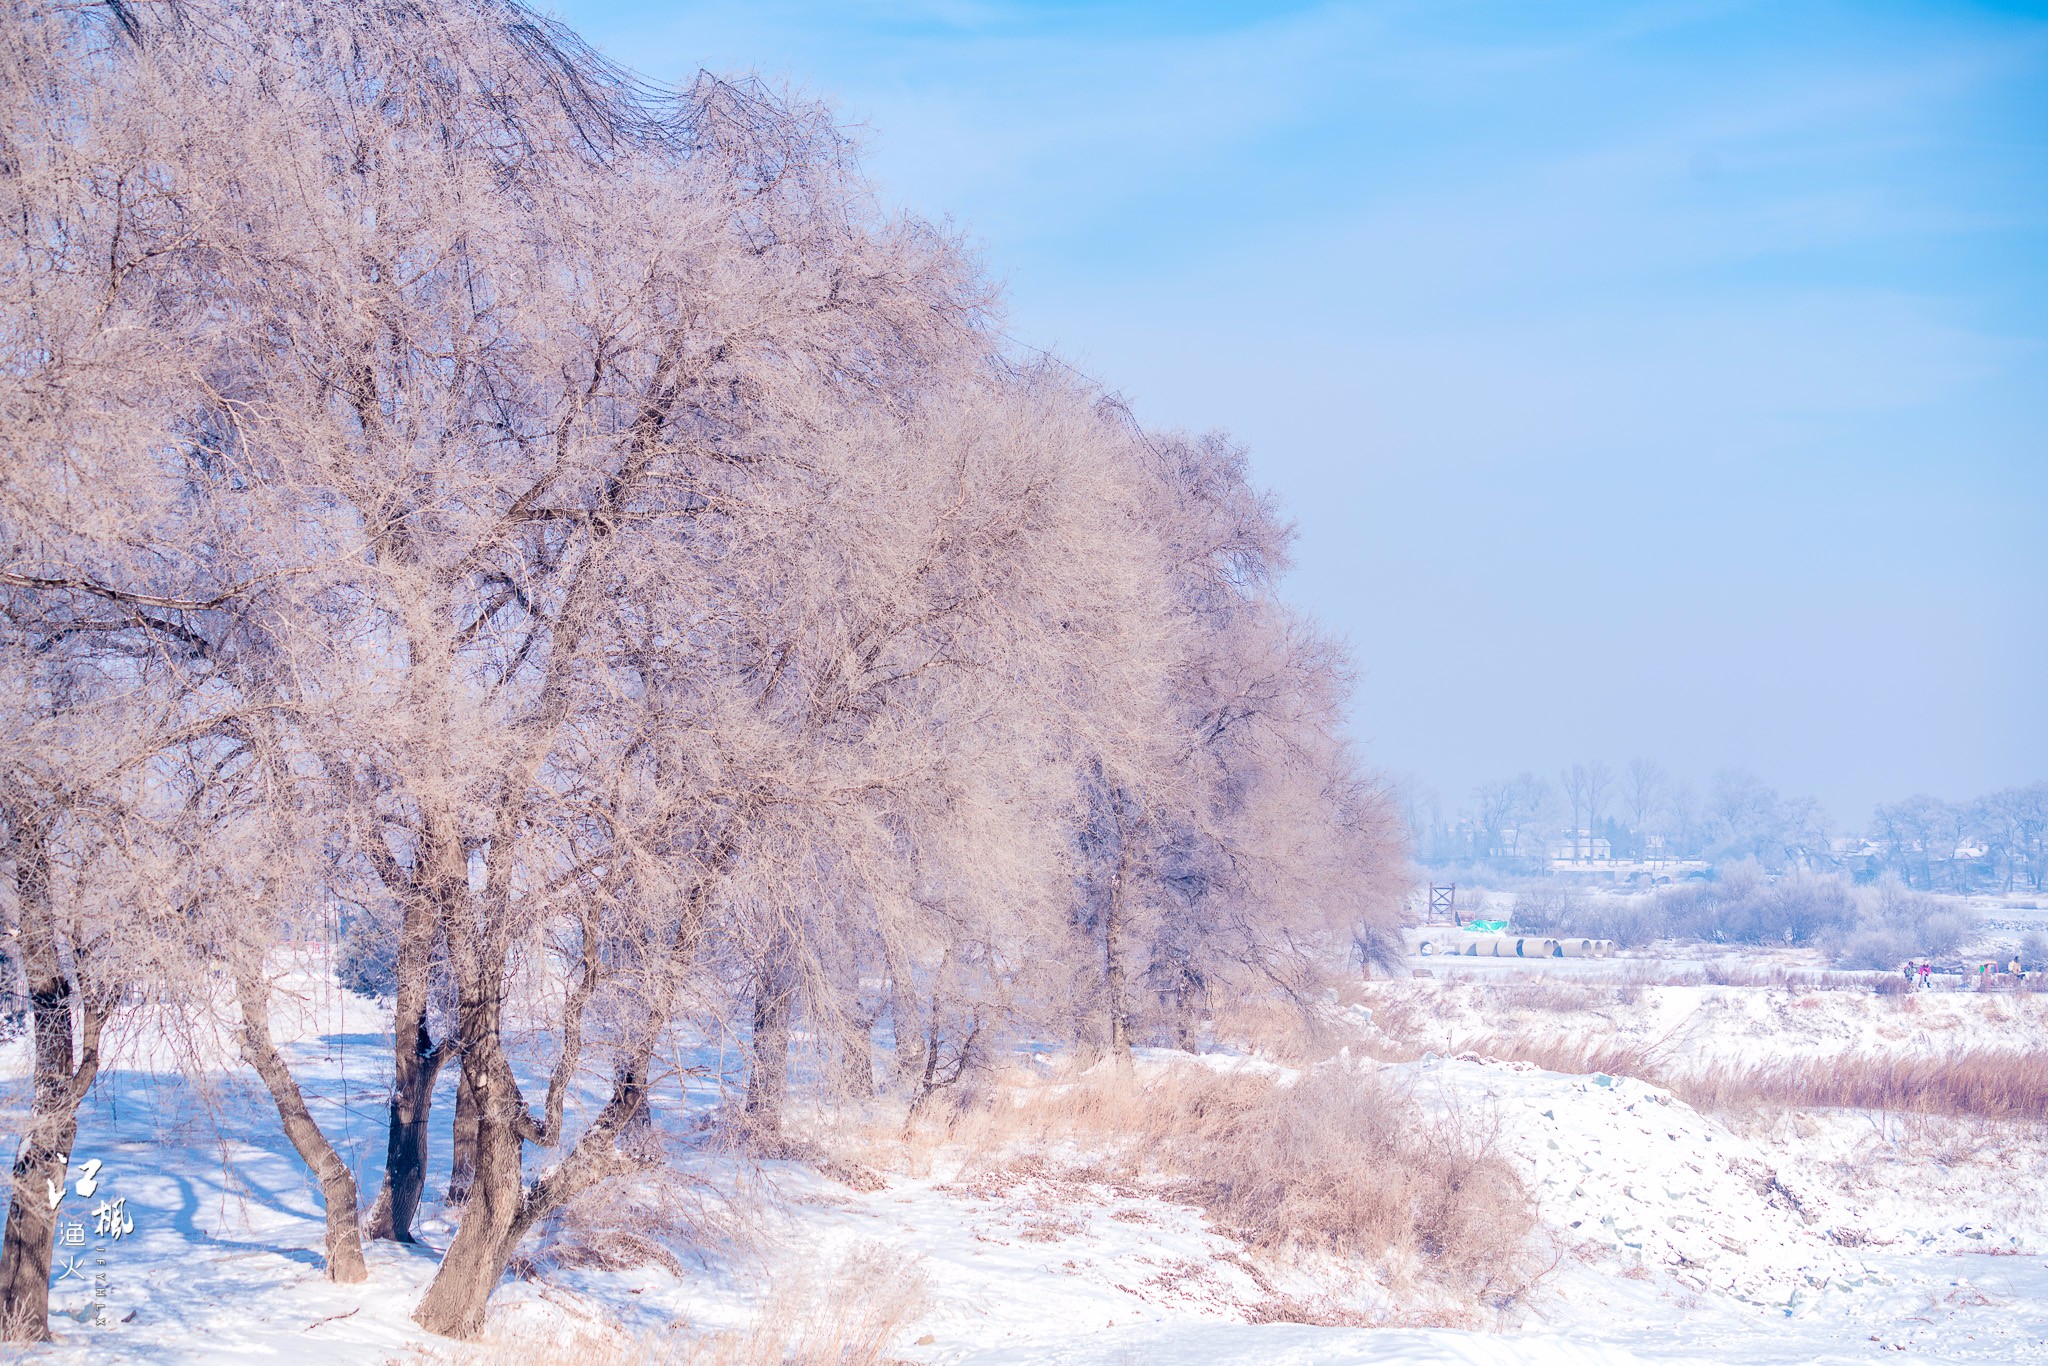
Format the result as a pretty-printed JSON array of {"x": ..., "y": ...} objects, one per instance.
[
  {"x": 1335, "y": 1163},
  {"x": 1273, "y": 1026},
  {"x": 619, "y": 1225}
]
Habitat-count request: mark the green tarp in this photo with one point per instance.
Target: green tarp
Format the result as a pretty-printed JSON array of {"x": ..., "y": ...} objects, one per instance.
[{"x": 1493, "y": 926}]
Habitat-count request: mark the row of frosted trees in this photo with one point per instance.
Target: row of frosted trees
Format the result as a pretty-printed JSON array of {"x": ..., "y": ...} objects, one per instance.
[{"x": 568, "y": 526}]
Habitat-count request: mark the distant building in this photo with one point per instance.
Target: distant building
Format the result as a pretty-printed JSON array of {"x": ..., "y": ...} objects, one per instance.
[
  {"x": 1590, "y": 856},
  {"x": 1580, "y": 847}
]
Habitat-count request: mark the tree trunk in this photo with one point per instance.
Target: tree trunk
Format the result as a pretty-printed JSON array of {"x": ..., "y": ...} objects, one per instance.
[
  {"x": 854, "y": 1063},
  {"x": 904, "y": 1024},
  {"x": 405, "y": 1148},
  {"x": 967, "y": 1062},
  {"x": 629, "y": 1083},
  {"x": 416, "y": 1066},
  {"x": 463, "y": 1148},
  {"x": 337, "y": 1182},
  {"x": 500, "y": 1209},
  {"x": 1112, "y": 947},
  {"x": 1186, "y": 994},
  {"x": 31, "y": 1232},
  {"x": 475, "y": 1261},
  {"x": 40, "y": 1169},
  {"x": 768, "y": 1071},
  {"x": 1113, "y": 980},
  {"x": 853, "y": 1058}
]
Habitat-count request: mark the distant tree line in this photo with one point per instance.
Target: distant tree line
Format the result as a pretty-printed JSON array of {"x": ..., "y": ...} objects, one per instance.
[
  {"x": 1643, "y": 814},
  {"x": 1997, "y": 842},
  {"x": 1637, "y": 813},
  {"x": 1877, "y": 925}
]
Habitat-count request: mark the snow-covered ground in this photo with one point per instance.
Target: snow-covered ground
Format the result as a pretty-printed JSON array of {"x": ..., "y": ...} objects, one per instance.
[{"x": 1670, "y": 1235}]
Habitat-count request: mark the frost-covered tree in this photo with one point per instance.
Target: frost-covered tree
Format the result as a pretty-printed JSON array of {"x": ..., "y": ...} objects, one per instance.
[{"x": 567, "y": 523}]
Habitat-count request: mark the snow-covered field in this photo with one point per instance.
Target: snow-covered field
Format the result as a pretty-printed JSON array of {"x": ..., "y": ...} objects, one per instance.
[{"x": 1668, "y": 1234}]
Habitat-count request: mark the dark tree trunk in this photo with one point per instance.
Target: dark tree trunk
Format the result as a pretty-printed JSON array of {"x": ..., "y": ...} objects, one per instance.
[
  {"x": 405, "y": 1148},
  {"x": 31, "y": 1233},
  {"x": 462, "y": 1152},
  {"x": 501, "y": 1211},
  {"x": 40, "y": 1168},
  {"x": 337, "y": 1182},
  {"x": 935, "y": 1076},
  {"x": 1113, "y": 982},
  {"x": 416, "y": 1067}
]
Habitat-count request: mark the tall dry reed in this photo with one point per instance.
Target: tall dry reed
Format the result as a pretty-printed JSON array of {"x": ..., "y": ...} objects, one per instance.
[{"x": 1981, "y": 1083}]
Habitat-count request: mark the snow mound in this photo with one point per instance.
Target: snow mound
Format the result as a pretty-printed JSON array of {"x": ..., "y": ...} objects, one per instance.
[{"x": 1629, "y": 1177}]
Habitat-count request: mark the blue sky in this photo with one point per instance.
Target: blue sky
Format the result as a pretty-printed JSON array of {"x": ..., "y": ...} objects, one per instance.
[{"x": 1662, "y": 379}]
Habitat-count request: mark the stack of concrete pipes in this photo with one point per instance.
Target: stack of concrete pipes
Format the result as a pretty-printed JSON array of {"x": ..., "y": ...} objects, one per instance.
[{"x": 1528, "y": 946}]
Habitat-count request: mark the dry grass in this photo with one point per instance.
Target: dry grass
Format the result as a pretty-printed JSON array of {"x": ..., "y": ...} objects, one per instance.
[
  {"x": 620, "y": 1225},
  {"x": 1335, "y": 1163},
  {"x": 1778, "y": 977},
  {"x": 1964, "y": 1083},
  {"x": 1550, "y": 995},
  {"x": 1327, "y": 1311},
  {"x": 849, "y": 1317},
  {"x": 1575, "y": 1055},
  {"x": 579, "y": 1346},
  {"x": 1974, "y": 1083},
  {"x": 1278, "y": 1028},
  {"x": 2007, "y": 984}
]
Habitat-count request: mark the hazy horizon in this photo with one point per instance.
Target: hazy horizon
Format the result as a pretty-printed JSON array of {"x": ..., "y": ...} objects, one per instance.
[{"x": 1653, "y": 380}]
